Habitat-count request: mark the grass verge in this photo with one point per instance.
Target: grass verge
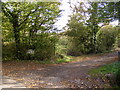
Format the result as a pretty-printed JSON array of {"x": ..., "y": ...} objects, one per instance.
[
  {"x": 110, "y": 68},
  {"x": 113, "y": 68}
]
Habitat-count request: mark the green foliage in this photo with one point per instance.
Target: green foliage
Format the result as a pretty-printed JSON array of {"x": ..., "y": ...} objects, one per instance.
[
  {"x": 45, "y": 47},
  {"x": 8, "y": 51},
  {"x": 113, "y": 8},
  {"x": 117, "y": 40},
  {"x": 64, "y": 60},
  {"x": 28, "y": 25},
  {"x": 22, "y": 21},
  {"x": 106, "y": 38},
  {"x": 79, "y": 37},
  {"x": 62, "y": 45},
  {"x": 118, "y": 76},
  {"x": 85, "y": 36},
  {"x": 57, "y": 61},
  {"x": 113, "y": 68},
  {"x": 110, "y": 68}
]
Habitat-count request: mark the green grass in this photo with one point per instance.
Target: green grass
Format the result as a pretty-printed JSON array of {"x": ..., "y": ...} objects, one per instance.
[
  {"x": 58, "y": 61},
  {"x": 113, "y": 68},
  {"x": 64, "y": 60},
  {"x": 110, "y": 68}
]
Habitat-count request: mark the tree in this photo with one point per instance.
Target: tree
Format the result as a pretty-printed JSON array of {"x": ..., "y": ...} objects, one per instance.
[
  {"x": 101, "y": 12},
  {"x": 27, "y": 18},
  {"x": 13, "y": 15},
  {"x": 79, "y": 35},
  {"x": 114, "y": 9},
  {"x": 91, "y": 15},
  {"x": 105, "y": 38},
  {"x": 85, "y": 15},
  {"x": 93, "y": 24}
]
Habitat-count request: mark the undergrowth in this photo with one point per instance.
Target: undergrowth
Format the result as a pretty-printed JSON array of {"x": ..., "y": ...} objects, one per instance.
[{"x": 113, "y": 68}]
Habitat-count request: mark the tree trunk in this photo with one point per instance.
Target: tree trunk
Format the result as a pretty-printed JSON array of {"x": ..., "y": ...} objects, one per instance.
[
  {"x": 17, "y": 42},
  {"x": 17, "y": 36}
]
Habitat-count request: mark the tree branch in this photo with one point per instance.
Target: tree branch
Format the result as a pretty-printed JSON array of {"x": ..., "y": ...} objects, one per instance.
[
  {"x": 41, "y": 23},
  {"x": 7, "y": 12},
  {"x": 28, "y": 16}
]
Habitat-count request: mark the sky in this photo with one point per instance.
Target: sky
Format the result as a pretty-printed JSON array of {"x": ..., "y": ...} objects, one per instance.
[{"x": 63, "y": 20}]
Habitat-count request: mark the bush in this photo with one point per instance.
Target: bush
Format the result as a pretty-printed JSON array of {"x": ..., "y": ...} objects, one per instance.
[
  {"x": 61, "y": 45},
  {"x": 118, "y": 76},
  {"x": 105, "y": 38},
  {"x": 45, "y": 47},
  {"x": 110, "y": 72},
  {"x": 74, "y": 45},
  {"x": 79, "y": 41},
  {"x": 117, "y": 42},
  {"x": 9, "y": 50}
]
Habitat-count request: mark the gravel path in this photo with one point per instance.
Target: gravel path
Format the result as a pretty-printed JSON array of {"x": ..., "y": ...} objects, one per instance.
[{"x": 58, "y": 76}]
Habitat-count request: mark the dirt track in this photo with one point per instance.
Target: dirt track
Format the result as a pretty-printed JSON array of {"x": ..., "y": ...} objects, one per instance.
[{"x": 67, "y": 75}]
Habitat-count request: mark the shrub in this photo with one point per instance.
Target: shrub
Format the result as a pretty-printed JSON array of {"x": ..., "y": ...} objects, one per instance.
[
  {"x": 79, "y": 41},
  {"x": 61, "y": 45},
  {"x": 45, "y": 47},
  {"x": 105, "y": 38},
  {"x": 117, "y": 40},
  {"x": 9, "y": 50},
  {"x": 118, "y": 76}
]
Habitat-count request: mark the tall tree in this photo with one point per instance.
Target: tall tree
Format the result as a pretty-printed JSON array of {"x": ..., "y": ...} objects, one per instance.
[
  {"x": 101, "y": 12},
  {"x": 22, "y": 14},
  {"x": 93, "y": 23},
  {"x": 114, "y": 9},
  {"x": 78, "y": 32},
  {"x": 94, "y": 14}
]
